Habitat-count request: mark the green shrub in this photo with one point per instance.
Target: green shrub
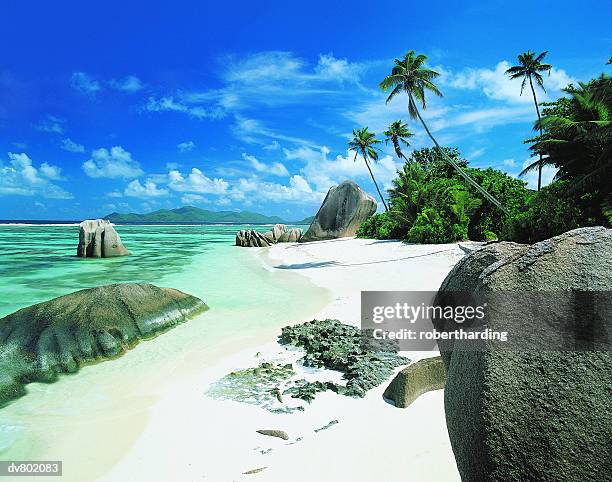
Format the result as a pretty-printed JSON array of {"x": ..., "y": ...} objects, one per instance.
[
  {"x": 380, "y": 226},
  {"x": 549, "y": 212}
]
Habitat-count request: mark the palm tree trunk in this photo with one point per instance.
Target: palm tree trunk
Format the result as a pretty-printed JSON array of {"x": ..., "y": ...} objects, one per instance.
[
  {"x": 454, "y": 164},
  {"x": 535, "y": 101},
  {"x": 365, "y": 159}
]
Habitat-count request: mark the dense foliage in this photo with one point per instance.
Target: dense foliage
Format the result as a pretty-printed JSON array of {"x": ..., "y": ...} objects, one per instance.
[
  {"x": 549, "y": 212},
  {"x": 431, "y": 203},
  {"x": 577, "y": 139}
]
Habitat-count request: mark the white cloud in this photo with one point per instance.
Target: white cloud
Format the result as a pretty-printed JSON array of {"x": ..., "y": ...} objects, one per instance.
[
  {"x": 298, "y": 190},
  {"x": 169, "y": 104},
  {"x": 194, "y": 199},
  {"x": 71, "y": 146},
  {"x": 20, "y": 177},
  {"x": 196, "y": 182},
  {"x": 273, "y": 146},
  {"x": 113, "y": 163},
  {"x": 148, "y": 190},
  {"x": 275, "y": 168},
  {"x": 270, "y": 79},
  {"x": 509, "y": 163},
  {"x": 129, "y": 84},
  {"x": 51, "y": 172},
  {"x": 51, "y": 124},
  {"x": 323, "y": 173},
  {"x": 84, "y": 83},
  {"x": 186, "y": 146},
  {"x": 497, "y": 85},
  {"x": 330, "y": 67}
]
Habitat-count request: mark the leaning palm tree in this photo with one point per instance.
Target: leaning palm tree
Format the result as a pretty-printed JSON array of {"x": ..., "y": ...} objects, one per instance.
[
  {"x": 410, "y": 75},
  {"x": 529, "y": 68},
  {"x": 398, "y": 133},
  {"x": 364, "y": 143}
]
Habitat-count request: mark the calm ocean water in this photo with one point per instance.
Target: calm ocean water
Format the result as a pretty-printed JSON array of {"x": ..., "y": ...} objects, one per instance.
[
  {"x": 248, "y": 305},
  {"x": 38, "y": 262}
]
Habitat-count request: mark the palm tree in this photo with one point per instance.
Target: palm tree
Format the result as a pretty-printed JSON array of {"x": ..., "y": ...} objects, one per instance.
[
  {"x": 364, "y": 143},
  {"x": 529, "y": 68},
  {"x": 410, "y": 75},
  {"x": 398, "y": 133}
]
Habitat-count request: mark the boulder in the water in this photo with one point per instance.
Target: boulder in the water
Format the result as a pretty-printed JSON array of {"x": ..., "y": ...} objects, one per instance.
[
  {"x": 41, "y": 341},
  {"x": 99, "y": 239}
]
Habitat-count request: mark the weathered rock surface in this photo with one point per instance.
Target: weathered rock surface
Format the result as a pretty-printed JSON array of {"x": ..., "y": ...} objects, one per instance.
[
  {"x": 292, "y": 235},
  {"x": 278, "y": 234},
  {"x": 99, "y": 239},
  {"x": 345, "y": 207},
  {"x": 42, "y": 341},
  {"x": 537, "y": 415},
  {"x": 274, "y": 433},
  {"x": 415, "y": 380},
  {"x": 250, "y": 238}
]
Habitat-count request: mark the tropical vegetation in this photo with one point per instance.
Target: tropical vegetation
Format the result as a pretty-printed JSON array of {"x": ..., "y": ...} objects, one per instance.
[{"x": 436, "y": 197}]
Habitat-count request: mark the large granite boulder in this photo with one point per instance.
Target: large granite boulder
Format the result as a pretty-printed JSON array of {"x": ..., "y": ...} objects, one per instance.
[
  {"x": 99, "y": 239},
  {"x": 416, "y": 379},
  {"x": 40, "y": 342},
  {"x": 292, "y": 235},
  {"x": 343, "y": 210},
  {"x": 534, "y": 414},
  {"x": 278, "y": 234}
]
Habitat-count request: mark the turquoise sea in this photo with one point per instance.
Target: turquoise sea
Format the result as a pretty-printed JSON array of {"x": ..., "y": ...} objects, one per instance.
[{"x": 248, "y": 306}]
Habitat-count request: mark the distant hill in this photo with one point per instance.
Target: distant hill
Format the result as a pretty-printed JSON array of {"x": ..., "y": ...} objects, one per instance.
[
  {"x": 191, "y": 214},
  {"x": 307, "y": 220}
]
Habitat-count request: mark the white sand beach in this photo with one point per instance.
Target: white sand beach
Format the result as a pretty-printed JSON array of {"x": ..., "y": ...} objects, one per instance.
[{"x": 190, "y": 437}]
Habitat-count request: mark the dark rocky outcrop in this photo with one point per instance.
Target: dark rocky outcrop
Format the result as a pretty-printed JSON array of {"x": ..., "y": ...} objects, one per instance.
[
  {"x": 99, "y": 239},
  {"x": 415, "y": 380},
  {"x": 345, "y": 207},
  {"x": 278, "y": 234},
  {"x": 336, "y": 346},
  {"x": 42, "y": 341},
  {"x": 537, "y": 414},
  {"x": 274, "y": 433}
]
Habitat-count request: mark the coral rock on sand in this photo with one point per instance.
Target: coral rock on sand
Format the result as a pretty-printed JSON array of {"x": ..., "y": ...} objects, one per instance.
[
  {"x": 99, "y": 239},
  {"x": 345, "y": 207},
  {"x": 40, "y": 342},
  {"x": 415, "y": 380},
  {"x": 537, "y": 415}
]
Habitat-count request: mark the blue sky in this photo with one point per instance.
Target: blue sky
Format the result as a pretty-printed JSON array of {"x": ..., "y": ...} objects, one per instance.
[{"x": 118, "y": 106}]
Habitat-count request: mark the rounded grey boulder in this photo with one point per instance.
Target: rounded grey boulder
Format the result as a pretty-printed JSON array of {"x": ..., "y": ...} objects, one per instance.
[
  {"x": 99, "y": 239},
  {"x": 41, "y": 341},
  {"x": 343, "y": 210},
  {"x": 538, "y": 414}
]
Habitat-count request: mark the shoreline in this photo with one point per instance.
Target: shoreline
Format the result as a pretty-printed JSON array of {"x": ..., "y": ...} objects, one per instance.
[{"x": 218, "y": 439}]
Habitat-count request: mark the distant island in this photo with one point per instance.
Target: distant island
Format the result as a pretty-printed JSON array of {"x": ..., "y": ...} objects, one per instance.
[{"x": 191, "y": 214}]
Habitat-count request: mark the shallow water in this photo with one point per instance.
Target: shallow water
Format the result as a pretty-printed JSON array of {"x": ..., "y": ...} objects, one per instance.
[{"x": 89, "y": 419}]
